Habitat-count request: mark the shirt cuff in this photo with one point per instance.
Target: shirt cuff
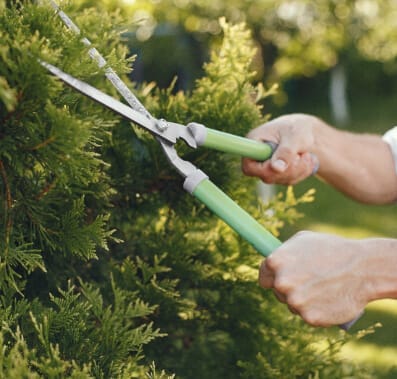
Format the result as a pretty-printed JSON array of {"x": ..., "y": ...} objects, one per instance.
[{"x": 390, "y": 137}]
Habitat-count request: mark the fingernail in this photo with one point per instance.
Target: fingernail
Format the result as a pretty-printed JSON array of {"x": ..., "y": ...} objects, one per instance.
[{"x": 279, "y": 165}]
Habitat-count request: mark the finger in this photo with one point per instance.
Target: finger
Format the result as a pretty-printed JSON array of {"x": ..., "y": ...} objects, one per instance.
[
  {"x": 315, "y": 318},
  {"x": 266, "y": 276},
  {"x": 262, "y": 170},
  {"x": 283, "y": 158},
  {"x": 273, "y": 262},
  {"x": 251, "y": 167},
  {"x": 302, "y": 167},
  {"x": 279, "y": 164},
  {"x": 283, "y": 283}
]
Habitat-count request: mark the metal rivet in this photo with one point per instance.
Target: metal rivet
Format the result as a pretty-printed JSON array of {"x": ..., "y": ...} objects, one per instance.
[{"x": 162, "y": 124}]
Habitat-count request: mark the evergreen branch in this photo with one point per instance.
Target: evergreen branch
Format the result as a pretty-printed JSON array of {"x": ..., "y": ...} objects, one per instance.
[
  {"x": 153, "y": 374},
  {"x": 7, "y": 207},
  {"x": 46, "y": 189},
  {"x": 43, "y": 144}
]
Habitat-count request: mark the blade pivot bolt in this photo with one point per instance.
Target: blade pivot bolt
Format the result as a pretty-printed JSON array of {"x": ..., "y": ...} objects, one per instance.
[{"x": 162, "y": 124}]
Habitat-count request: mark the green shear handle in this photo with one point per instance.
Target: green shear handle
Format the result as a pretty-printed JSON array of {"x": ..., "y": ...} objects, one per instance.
[
  {"x": 230, "y": 212},
  {"x": 237, "y": 218},
  {"x": 232, "y": 144}
]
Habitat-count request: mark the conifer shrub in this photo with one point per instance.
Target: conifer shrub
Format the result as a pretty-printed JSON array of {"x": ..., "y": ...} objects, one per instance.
[{"x": 106, "y": 264}]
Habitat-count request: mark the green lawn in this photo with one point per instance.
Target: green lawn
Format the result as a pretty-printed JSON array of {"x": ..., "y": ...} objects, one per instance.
[{"x": 334, "y": 213}]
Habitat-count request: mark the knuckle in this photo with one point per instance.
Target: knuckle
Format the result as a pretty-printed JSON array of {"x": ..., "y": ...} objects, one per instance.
[
  {"x": 296, "y": 301},
  {"x": 273, "y": 262},
  {"x": 282, "y": 284}
]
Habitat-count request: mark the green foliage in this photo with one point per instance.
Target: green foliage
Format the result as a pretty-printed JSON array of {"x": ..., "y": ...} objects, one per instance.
[
  {"x": 49, "y": 165},
  {"x": 278, "y": 211},
  {"x": 80, "y": 334},
  {"x": 106, "y": 337},
  {"x": 18, "y": 361},
  {"x": 55, "y": 208},
  {"x": 297, "y": 37},
  {"x": 180, "y": 290}
]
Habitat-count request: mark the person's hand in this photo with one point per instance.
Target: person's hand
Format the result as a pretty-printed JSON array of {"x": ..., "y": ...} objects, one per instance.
[
  {"x": 322, "y": 278},
  {"x": 293, "y": 159}
]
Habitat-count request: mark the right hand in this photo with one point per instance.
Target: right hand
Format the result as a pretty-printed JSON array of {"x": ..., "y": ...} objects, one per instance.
[
  {"x": 327, "y": 280},
  {"x": 294, "y": 159}
]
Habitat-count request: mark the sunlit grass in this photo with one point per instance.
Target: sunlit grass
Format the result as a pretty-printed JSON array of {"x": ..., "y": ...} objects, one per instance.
[
  {"x": 378, "y": 350},
  {"x": 386, "y": 306},
  {"x": 368, "y": 352},
  {"x": 383, "y": 359},
  {"x": 344, "y": 231}
]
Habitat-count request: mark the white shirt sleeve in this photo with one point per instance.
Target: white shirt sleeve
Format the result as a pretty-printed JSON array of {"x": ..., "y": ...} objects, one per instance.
[{"x": 390, "y": 137}]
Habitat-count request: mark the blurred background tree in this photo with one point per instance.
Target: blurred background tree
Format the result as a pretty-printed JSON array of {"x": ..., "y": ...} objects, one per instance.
[{"x": 296, "y": 40}]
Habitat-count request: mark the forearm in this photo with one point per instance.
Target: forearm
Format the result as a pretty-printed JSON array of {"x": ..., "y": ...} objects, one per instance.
[{"x": 359, "y": 165}]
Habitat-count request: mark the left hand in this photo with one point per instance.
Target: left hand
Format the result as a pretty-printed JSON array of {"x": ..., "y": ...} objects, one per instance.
[{"x": 294, "y": 159}]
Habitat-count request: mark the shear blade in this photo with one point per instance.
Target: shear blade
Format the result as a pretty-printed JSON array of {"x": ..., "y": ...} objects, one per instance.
[{"x": 109, "y": 102}]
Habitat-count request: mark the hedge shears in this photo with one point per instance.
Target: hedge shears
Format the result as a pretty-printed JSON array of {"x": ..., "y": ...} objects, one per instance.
[
  {"x": 195, "y": 135},
  {"x": 196, "y": 181}
]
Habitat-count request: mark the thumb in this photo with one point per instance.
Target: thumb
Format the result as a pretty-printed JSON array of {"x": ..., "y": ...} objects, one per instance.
[{"x": 283, "y": 157}]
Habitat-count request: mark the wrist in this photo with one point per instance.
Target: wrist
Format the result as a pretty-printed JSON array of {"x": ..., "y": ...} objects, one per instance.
[
  {"x": 322, "y": 135},
  {"x": 379, "y": 260}
]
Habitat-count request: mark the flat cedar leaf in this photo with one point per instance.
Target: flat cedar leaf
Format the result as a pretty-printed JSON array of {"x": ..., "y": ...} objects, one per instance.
[
  {"x": 26, "y": 257},
  {"x": 80, "y": 238}
]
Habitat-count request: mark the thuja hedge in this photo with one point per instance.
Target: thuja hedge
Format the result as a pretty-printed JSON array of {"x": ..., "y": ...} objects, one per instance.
[{"x": 107, "y": 268}]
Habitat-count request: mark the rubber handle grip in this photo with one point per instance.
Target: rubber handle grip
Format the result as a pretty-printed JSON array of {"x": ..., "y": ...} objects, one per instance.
[{"x": 245, "y": 147}]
